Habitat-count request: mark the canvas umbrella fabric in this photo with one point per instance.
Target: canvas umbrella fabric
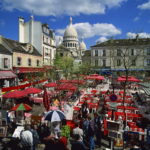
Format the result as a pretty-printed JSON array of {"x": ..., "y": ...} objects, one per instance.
[
  {"x": 15, "y": 94},
  {"x": 51, "y": 84},
  {"x": 55, "y": 115},
  {"x": 32, "y": 90},
  {"x": 21, "y": 107}
]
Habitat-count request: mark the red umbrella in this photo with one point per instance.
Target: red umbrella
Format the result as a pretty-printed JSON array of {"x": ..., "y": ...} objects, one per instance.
[
  {"x": 15, "y": 94},
  {"x": 129, "y": 79},
  {"x": 94, "y": 78},
  {"x": 52, "y": 84},
  {"x": 66, "y": 86},
  {"x": 33, "y": 90},
  {"x": 21, "y": 107}
]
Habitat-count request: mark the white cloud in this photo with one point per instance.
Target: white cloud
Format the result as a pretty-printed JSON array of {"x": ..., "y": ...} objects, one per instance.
[
  {"x": 141, "y": 35},
  {"x": 101, "y": 39},
  {"x": 145, "y": 5},
  {"x": 61, "y": 7},
  {"x": 87, "y": 30},
  {"x": 136, "y": 18}
]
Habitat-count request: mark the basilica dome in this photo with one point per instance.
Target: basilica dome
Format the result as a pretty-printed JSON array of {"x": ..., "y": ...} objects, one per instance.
[
  {"x": 70, "y": 31},
  {"x": 82, "y": 46}
]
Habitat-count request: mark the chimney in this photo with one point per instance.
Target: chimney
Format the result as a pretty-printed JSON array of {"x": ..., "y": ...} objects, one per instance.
[{"x": 21, "y": 29}]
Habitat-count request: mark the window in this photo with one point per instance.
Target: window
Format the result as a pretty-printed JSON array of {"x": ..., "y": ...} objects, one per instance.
[
  {"x": 118, "y": 62},
  {"x": 132, "y": 52},
  {"x": 133, "y": 63},
  {"x": 96, "y": 62},
  {"x": 96, "y": 52},
  {"x": 104, "y": 52},
  {"x": 6, "y": 63},
  {"x": 19, "y": 61},
  {"x": 104, "y": 62},
  {"x": 118, "y": 52},
  {"x": 148, "y": 62},
  {"x": 46, "y": 51},
  {"x": 148, "y": 51},
  {"x": 37, "y": 62},
  {"x": 29, "y": 62}
]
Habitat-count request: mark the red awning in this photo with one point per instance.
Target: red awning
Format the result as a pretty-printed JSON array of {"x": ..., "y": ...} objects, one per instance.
[
  {"x": 28, "y": 69},
  {"x": 7, "y": 74}
]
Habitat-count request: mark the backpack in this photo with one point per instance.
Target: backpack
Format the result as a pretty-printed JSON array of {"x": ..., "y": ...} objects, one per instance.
[{"x": 35, "y": 136}]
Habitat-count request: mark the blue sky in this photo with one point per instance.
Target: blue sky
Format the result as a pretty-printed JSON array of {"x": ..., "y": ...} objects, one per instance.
[{"x": 94, "y": 20}]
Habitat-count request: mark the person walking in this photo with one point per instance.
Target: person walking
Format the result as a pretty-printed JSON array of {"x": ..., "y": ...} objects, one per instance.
[
  {"x": 91, "y": 133},
  {"x": 26, "y": 138},
  {"x": 77, "y": 144},
  {"x": 36, "y": 139},
  {"x": 79, "y": 131}
]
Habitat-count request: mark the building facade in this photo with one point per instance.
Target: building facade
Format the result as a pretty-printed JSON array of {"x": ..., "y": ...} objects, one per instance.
[
  {"x": 40, "y": 36},
  {"x": 122, "y": 54},
  {"x": 24, "y": 59},
  {"x": 7, "y": 76}
]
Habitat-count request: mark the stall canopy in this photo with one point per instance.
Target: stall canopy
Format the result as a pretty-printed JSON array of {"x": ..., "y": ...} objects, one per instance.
[
  {"x": 15, "y": 94},
  {"x": 7, "y": 74},
  {"x": 32, "y": 90}
]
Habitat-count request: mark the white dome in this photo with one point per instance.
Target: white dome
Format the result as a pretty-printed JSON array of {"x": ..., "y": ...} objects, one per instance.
[
  {"x": 70, "y": 31},
  {"x": 82, "y": 46}
]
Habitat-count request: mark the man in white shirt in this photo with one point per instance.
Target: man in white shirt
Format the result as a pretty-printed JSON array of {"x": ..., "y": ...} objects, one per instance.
[
  {"x": 26, "y": 138},
  {"x": 78, "y": 131}
]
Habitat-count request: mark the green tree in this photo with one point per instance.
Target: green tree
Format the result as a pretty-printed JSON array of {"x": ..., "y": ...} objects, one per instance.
[{"x": 65, "y": 64}]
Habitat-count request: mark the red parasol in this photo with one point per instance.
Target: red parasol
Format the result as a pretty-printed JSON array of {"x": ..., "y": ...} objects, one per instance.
[
  {"x": 129, "y": 79},
  {"x": 15, "y": 94},
  {"x": 94, "y": 77},
  {"x": 21, "y": 107},
  {"x": 32, "y": 90},
  {"x": 127, "y": 107},
  {"x": 52, "y": 84}
]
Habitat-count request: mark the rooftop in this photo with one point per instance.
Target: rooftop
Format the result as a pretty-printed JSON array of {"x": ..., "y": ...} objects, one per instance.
[{"x": 124, "y": 42}]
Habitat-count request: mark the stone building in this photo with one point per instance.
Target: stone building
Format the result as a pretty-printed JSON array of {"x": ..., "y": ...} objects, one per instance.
[
  {"x": 117, "y": 55},
  {"x": 24, "y": 58},
  {"x": 7, "y": 76},
  {"x": 40, "y": 36}
]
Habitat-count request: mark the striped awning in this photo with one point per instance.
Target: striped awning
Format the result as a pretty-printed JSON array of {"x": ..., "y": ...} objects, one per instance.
[{"x": 6, "y": 74}]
